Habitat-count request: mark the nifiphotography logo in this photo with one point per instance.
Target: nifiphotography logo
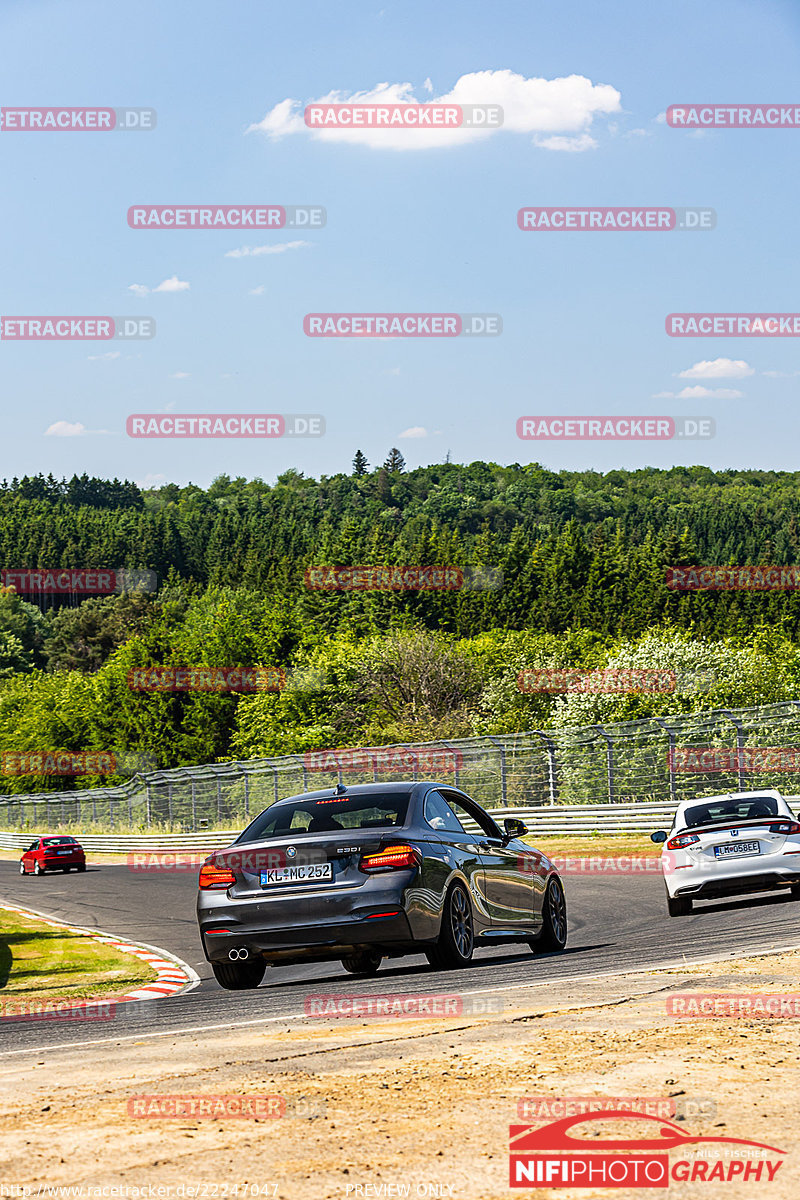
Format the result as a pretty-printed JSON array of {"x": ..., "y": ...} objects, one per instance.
[{"x": 571, "y": 1153}]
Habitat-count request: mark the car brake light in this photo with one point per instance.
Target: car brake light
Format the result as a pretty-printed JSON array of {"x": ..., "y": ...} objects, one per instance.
[
  {"x": 785, "y": 827},
  {"x": 391, "y": 858},
  {"x": 681, "y": 842},
  {"x": 215, "y": 878}
]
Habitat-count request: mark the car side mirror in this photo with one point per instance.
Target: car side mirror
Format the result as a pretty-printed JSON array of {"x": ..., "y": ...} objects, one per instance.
[
  {"x": 513, "y": 828},
  {"x": 658, "y": 836}
]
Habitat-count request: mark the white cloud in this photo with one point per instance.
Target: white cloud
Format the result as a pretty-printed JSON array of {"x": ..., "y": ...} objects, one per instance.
[
  {"x": 566, "y": 105},
  {"x": 698, "y": 392},
  {"x": 574, "y": 145},
  {"x": 780, "y": 374},
  {"x": 718, "y": 368},
  {"x": 703, "y": 393},
  {"x": 392, "y": 370},
  {"x": 428, "y": 86},
  {"x": 107, "y": 357},
  {"x": 150, "y": 481},
  {"x": 173, "y": 284},
  {"x": 416, "y": 431},
  {"x": 257, "y": 251},
  {"x": 257, "y": 291},
  {"x": 65, "y": 429},
  {"x": 179, "y": 375}
]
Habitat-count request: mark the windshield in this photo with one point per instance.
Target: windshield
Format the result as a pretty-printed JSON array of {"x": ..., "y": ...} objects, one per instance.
[
  {"x": 328, "y": 814},
  {"x": 730, "y": 810}
]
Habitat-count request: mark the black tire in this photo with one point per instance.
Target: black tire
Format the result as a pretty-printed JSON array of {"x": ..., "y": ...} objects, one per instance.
[
  {"x": 457, "y": 937},
  {"x": 794, "y": 891},
  {"x": 554, "y": 918},
  {"x": 678, "y": 906},
  {"x": 82, "y": 867},
  {"x": 365, "y": 962},
  {"x": 239, "y": 976},
  {"x": 38, "y": 869}
]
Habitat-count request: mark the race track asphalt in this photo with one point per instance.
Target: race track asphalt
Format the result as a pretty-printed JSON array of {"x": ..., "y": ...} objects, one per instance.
[{"x": 617, "y": 923}]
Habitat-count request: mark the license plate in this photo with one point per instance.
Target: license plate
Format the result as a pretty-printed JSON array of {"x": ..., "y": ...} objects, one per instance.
[
  {"x": 65, "y": 852},
  {"x": 308, "y": 873},
  {"x": 731, "y": 849}
]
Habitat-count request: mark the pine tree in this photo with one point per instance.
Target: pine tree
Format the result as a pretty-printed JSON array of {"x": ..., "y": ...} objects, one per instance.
[
  {"x": 395, "y": 461},
  {"x": 360, "y": 463}
]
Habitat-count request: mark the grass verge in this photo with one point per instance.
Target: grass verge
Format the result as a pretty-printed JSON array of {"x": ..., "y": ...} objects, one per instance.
[{"x": 38, "y": 962}]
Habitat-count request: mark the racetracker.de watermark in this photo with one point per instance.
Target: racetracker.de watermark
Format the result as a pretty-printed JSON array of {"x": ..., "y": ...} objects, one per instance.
[
  {"x": 733, "y": 579},
  {"x": 75, "y": 762},
  {"x": 400, "y": 1005},
  {"x": 403, "y": 116},
  {"x": 733, "y": 1005},
  {"x": 601, "y": 429},
  {"x": 76, "y": 329},
  {"x": 552, "y": 1108},
  {"x": 623, "y": 864},
  {"x": 696, "y": 760},
  {"x": 612, "y": 680},
  {"x": 733, "y": 324},
  {"x": 384, "y": 325},
  {"x": 378, "y": 577},
  {"x": 225, "y": 425},
  {"x": 57, "y": 1008},
  {"x": 734, "y": 116},
  {"x": 90, "y": 581},
  {"x": 629, "y": 219},
  {"x": 63, "y": 120},
  {"x": 207, "y": 679},
  {"x": 219, "y": 1107},
  {"x": 227, "y": 216},
  {"x": 426, "y": 760}
]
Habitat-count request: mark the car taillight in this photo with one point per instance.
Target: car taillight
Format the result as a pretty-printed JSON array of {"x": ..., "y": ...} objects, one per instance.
[
  {"x": 681, "y": 842},
  {"x": 215, "y": 878},
  {"x": 785, "y": 827},
  {"x": 392, "y": 858}
]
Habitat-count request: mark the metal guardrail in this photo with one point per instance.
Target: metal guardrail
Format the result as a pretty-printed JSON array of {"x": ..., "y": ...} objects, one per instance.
[
  {"x": 560, "y": 820},
  {"x": 632, "y": 762}
]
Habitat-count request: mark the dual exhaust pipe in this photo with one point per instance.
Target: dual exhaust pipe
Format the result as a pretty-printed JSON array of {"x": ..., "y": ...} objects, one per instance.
[{"x": 238, "y": 953}]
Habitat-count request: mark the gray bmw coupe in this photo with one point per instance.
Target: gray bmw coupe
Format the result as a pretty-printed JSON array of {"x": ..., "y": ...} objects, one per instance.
[{"x": 372, "y": 871}]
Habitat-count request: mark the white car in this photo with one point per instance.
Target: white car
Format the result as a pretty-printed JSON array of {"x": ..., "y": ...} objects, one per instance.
[{"x": 727, "y": 845}]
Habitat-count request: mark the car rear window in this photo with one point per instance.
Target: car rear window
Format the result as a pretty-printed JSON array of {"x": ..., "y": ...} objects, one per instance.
[
  {"x": 328, "y": 814},
  {"x": 61, "y": 841},
  {"x": 731, "y": 810}
]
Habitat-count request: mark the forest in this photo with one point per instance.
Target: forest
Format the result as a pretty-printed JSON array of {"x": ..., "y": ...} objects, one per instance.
[{"x": 559, "y": 569}]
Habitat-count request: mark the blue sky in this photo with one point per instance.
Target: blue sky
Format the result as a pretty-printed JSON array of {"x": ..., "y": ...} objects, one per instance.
[{"x": 416, "y": 229}]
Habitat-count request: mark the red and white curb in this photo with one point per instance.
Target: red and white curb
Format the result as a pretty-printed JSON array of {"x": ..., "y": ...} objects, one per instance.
[{"x": 173, "y": 975}]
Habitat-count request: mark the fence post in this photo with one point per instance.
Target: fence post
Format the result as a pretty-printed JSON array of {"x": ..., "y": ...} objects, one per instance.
[
  {"x": 194, "y": 806},
  {"x": 247, "y": 796},
  {"x": 737, "y": 724},
  {"x": 503, "y": 779},
  {"x": 552, "y": 772},
  {"x": 147, "y": 800},
  {"x": 169, "y": 801},
  {"x": 612, "y": 798},
  {"x": 673, "y": 789}
]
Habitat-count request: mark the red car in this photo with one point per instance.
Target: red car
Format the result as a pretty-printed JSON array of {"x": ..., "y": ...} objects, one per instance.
[{"x": 52, "y": 854}]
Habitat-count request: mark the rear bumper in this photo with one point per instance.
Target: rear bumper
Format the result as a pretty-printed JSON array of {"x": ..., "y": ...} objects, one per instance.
[
  {"x": 733, "y": 885},
  {"x": 321, "y": 942}
]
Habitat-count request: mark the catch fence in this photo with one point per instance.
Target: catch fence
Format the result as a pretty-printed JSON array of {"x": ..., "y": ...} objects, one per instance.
[{"x": 664, "y": 759}]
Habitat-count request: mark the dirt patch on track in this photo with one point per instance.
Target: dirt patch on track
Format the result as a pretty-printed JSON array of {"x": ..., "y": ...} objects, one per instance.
[{"x": 421, "y": 1105}]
